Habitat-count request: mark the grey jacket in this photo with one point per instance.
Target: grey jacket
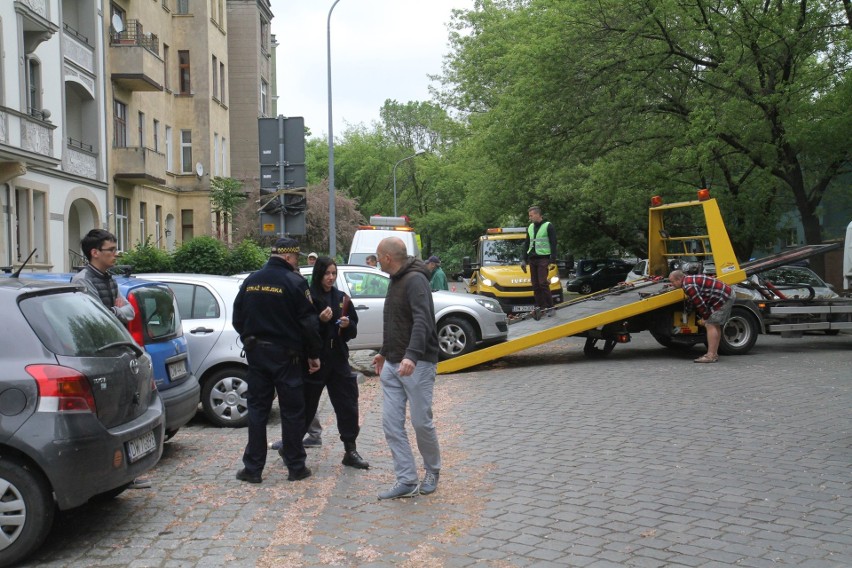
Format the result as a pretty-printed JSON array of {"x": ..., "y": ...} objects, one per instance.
[
  {"x": 409, "y": 318},
  {"x": 103, "y": 287}
]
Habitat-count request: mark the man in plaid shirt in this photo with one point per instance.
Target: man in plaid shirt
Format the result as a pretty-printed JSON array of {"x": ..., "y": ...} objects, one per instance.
[{"x": 713, "y": 301}]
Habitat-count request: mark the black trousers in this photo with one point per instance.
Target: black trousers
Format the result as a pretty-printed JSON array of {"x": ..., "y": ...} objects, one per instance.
[
  {"x": 273, "y": 371},
  {"x": 538, "y": 276},
  {"x": 342, "y": 384}
]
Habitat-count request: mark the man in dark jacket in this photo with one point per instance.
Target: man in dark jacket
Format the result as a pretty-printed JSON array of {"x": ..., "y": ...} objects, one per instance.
[
  {"x": 277, "y": 323},
  {"x": 100, "y": 248},
  {"x": 540, "y": 252},
  {"x": 406, "y": 365}
]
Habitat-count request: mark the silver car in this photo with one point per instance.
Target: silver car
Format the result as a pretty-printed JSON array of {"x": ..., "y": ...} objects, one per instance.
[
  {"x": 464, "y": 320},
  {"x": 794, "y": 282},
  {"x": 206, "y": 303}
]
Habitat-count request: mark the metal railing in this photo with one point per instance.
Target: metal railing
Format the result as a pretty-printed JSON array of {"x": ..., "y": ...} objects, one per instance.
[
  {"x": 76, "y": 260},
  {"x": 134, "y": 36}
]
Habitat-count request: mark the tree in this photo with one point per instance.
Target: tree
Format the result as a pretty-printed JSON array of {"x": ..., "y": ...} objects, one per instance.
[{"x": 226, "y": 196}]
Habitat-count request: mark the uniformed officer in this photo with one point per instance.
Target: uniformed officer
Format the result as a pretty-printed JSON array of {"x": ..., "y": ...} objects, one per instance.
[{"x": 278, "y": 325}]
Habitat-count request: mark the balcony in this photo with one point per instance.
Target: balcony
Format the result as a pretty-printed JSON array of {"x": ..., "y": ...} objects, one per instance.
[
  {"x": 139, "y": 165},
  {"x": 135, "y": 59}
]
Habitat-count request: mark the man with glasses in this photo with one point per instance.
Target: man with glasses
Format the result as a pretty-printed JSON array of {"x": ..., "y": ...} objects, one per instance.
[{"x": 100, "y": 248}]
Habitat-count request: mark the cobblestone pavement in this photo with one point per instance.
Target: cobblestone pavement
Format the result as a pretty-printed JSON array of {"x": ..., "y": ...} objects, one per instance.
[{"x": 550, "y": 459}]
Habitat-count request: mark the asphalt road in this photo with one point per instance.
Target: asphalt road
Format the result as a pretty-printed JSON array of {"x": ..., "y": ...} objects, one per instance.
[{"x": 550, "y": 459}]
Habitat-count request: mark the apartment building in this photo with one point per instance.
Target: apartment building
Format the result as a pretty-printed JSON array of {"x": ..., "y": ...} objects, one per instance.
[
  {"x": 53, "y": 179},
  {"x": 252, "y": 83},
  {"x": 168, "y": 126}
]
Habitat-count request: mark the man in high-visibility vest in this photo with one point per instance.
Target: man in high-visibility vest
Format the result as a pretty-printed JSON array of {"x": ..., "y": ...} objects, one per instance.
[{"x": 540, "y": 253}]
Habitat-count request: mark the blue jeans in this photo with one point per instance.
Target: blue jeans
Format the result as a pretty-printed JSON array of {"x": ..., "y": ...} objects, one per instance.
[{"x": 397, "y": 392}]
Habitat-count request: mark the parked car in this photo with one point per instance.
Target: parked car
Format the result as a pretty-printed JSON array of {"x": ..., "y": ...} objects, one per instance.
[
  {"x": 206, "y": 304},
  {"x": 592, "y": 275},
  {"x": 79, "y": 412},
  {"x": 638, "y": 272},
  {"x": 464, "y": 320},
  {"x": 794, "y": 282},
  {"x": 156, "y": 327}
]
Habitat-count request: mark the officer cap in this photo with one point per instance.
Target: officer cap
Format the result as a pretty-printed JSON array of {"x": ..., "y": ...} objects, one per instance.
[{"x": 285, "y": 245}]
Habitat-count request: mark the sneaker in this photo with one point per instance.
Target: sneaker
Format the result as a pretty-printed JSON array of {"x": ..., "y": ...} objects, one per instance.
[
  {"x": 400, "y": 490},
  {"x": 243, "y": 475},
  {"x": 276, "y": 445},
  {"x": 303, "y": 473},
  {"x": 429, "y": 483},
  {"x": 312, "y": 442}
]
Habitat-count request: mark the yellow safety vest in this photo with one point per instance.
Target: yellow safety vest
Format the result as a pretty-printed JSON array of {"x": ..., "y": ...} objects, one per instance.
[{"x": 540, "y": 243}]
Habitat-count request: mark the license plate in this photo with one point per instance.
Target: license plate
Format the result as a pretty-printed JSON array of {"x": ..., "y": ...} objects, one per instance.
[
  {"x": 141, "y": 446},
  {"x": 177, "y": 369},
  {"x": 523, "y": 308}
]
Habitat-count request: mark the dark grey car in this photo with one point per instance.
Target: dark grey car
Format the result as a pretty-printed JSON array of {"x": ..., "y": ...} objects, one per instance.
[{"x": 80, "y": 416}]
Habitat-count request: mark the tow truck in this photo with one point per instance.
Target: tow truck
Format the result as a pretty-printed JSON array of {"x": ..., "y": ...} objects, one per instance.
[
  {"x": 693, "y": 232},
  {"x": 497, "y": 271}
]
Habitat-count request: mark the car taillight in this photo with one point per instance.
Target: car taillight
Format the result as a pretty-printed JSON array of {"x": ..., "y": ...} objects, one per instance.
[
  {"x": 62, "y": 389},
  {"x": 135, "y": 327}
]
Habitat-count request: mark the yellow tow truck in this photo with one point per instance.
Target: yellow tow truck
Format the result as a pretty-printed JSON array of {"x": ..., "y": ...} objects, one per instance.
[
  {"x": 497, "y": 273},
  {"x": 688, "y": 232}
]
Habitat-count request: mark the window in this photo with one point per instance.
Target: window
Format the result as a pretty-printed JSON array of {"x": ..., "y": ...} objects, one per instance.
[
  {"x": 195, "y": 302},
  {"x": 224, "y": 158},
  {"x": 166, "y": 83},
  {"x": 122, "y": 229},
  {"x": 158, "y": 222},
  {"x": 120, "y": 124},
  {"x": 264, "y": 34},
  {"x": 170, "y": 157},
  {"x": 182, "y": 6},
  {"x": 186, "y": 224},
  {"x": 184, "y": 72},
  {"x": 156, "y": 135},
  {"x": 141, "y": 129},
  {"x": 264, "y": 95},
  {"x": 34, "y": 87},
  {"x": 216, "y": 154},
  {"x": 214, "y": 84},
  {"x": 221, "y": 12},
  {"x": 222, "y": 82},
  {"x": 143, "y": 213},
  {"x": 186, "y": 151},
  {"x": 31, "y": 228}
]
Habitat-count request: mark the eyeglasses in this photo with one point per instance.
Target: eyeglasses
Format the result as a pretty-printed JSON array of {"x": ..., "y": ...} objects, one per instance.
[{"x": 109, "y": 249}]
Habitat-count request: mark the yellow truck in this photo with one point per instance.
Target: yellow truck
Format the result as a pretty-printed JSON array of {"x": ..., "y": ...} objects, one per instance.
[{"x": 497, "y": 273}]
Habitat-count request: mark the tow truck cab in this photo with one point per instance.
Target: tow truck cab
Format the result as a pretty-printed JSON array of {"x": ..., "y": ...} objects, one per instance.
[
  {"x": 368, "y": 237},
  {"x": 497, "y": 271}
]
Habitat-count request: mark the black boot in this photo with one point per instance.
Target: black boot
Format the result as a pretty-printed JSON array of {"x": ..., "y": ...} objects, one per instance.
[{"x": 352, "y": 458}]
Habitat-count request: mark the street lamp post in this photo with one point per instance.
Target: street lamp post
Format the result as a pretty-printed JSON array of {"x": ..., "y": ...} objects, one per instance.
[
  {"x": 332, "y": 231},
  {"x": 414, "y": 155}
]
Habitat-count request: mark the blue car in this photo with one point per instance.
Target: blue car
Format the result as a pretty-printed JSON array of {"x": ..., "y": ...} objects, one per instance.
[{"x": 156, "y": 328}]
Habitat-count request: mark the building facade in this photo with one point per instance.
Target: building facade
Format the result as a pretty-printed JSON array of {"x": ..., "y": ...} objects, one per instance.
[
  {"x": 53, "y": 151},
  {"x": 168, "y": 126}
]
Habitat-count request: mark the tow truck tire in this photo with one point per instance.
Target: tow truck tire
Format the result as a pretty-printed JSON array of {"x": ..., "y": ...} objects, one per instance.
[
  {"x": 455, "y": 337},
  {"x": 739, "y": 333}
]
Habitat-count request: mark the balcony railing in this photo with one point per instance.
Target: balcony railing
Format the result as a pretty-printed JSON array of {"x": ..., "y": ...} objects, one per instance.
[{"x": 134, "y": 36}]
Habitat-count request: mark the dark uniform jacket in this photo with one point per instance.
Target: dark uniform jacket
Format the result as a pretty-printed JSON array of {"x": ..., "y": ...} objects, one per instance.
[
  {"x": 335, "y": 352},
  {"x": 274, "y": 305},
  {"x": 409, "y": 318}
]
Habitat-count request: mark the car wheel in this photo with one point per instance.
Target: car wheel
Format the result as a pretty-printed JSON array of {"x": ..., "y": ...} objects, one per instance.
[
  {"x": 223, "y": 397},
  {"x": 739, "y": 333},
  {"x": 27, "y": 513},
  {"x": 586, "y": 288},
  {"x": 455, "y": 337}
]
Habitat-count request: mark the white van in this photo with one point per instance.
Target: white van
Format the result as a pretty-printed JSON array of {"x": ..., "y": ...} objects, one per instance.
[{"x": 367, "y": 237}]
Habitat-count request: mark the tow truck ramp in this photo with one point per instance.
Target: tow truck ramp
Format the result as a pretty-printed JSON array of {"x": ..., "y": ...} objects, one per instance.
[{"x": 572, "y": 318}]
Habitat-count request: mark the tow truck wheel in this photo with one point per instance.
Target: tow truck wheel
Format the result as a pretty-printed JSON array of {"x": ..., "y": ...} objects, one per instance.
[
  {"x": 739, "y": 334},
  {"x": 592, "y": 351}
]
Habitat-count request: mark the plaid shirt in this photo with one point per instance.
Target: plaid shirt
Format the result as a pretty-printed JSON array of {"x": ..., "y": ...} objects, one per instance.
[{"x": 706, "y": 294}]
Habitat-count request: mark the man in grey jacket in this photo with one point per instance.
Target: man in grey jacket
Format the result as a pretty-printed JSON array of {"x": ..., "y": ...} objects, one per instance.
[
  {"x": 100, "y": 248},
  {"x": 406, "y": 365}
]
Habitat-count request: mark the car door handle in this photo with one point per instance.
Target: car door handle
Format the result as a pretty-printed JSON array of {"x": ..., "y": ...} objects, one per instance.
[
  {"x": 362, "y": 307},
  {"x": 201, "y": 330}
]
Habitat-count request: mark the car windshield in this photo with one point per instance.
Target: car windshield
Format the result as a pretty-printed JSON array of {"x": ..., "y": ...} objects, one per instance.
[
  {"x": 789, "y": 275},
  {"x": 74, "y": 325},
  {"x": 157, "y": 309},
  {"x": 502, "y": 252}
]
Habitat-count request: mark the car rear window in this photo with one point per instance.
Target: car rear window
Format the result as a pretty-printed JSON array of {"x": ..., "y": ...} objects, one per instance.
[
  {"x": 158, "y": 312},
  {"x": 72, "y": 324}
]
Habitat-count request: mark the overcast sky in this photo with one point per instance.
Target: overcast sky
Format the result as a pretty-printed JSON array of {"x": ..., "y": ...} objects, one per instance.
[{"x": 380, "y": 49}]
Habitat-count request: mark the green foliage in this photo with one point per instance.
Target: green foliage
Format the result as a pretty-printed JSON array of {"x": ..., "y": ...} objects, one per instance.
[
  {"x": 145, "y": 257},
  {"x": 226, "y": 196},
  {"x": 246, "y": 257},
  {"x": 204, "y": 255}
]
